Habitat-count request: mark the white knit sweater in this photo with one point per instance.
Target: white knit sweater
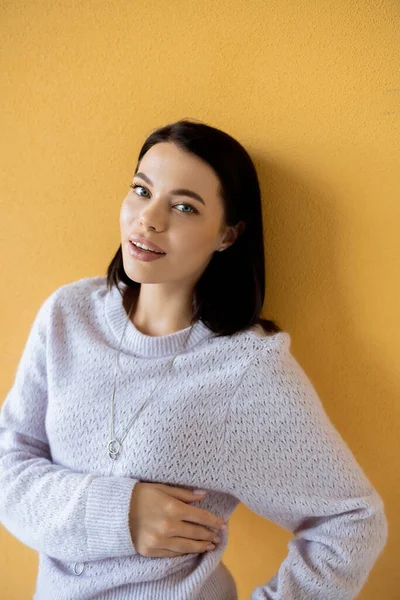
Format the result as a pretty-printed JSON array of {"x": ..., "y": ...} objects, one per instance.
[{"x": 235, "y": 415}]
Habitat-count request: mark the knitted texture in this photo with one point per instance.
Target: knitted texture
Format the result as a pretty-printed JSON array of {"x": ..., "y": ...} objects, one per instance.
[{"x": 235, "y": 415}]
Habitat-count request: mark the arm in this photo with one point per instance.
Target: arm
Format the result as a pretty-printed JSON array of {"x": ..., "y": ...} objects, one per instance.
[
  {"x": 286, "y": 461},
  {"x": 64, "y": 514}
]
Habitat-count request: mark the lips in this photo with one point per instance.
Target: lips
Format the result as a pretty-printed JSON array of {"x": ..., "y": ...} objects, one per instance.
[
  {"x": 145, "y": 250},
  {"x": 144, "y": 255},
  {"x": 142, "y": 240}
]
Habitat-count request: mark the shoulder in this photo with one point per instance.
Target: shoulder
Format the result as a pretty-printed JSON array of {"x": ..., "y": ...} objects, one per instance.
[
  {"x": 273, "y": 365},
  {"x": 259, "y": 346},
  {"x": 251, "y": 347},
  {"x": 81, "y": 288},
  {"x": 270, "y": 343},
  {"x": 78, "y": 290},
  {"x": 71, "y": 297},
  {"x": 275, "y": 385},
  {"x": 270, "y": 361},
  {"x": 261, "y": 358}
]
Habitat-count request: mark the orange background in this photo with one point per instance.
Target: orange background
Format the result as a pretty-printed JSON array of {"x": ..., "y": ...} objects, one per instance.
[{"x": 312, "y": 90}]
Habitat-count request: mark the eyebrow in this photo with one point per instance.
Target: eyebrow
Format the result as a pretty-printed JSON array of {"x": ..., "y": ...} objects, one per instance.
[{"x": 176, "y": 192}]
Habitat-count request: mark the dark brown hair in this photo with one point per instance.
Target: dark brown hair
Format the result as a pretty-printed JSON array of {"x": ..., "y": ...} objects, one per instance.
[{"x": 229, "y": 295}]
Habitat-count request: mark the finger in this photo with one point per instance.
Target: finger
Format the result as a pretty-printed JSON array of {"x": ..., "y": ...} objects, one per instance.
[
  {"x": 183, "y": 494},
  {"x": 197, "y": 532},
  {"x": 202, "y": 517},
  {"x": 187, "y": 546}
]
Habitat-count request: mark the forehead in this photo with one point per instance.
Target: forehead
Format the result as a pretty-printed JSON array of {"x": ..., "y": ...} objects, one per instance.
[{"x": 166, "y": 163}]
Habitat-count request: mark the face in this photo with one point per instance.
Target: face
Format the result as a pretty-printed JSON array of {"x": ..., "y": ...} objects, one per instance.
[{"x": 188, "y": 229}]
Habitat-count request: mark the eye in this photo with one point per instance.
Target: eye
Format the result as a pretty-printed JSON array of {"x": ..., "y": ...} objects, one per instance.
[
  {"x": 134, "y": 186},
  {"x": 192, "y": 209}
]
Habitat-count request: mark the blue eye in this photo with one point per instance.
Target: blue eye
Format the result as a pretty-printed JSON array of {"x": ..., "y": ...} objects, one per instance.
[
  {"x": 192, "y": 209},
  {"x": 137, "y": 186}
]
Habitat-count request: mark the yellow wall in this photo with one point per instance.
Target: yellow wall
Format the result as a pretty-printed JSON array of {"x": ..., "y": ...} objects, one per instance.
[{"x": 312, "y": 89}]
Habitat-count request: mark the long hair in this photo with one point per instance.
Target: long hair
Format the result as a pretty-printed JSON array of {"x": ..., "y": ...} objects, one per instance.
[{"x": 229, "y": 295}]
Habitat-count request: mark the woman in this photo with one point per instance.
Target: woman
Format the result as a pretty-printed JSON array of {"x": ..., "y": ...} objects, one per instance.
[{"x": 137, "y": 388}]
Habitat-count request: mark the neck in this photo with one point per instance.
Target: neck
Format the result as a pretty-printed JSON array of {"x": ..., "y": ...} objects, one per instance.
[{"x": 148, "y": 324}]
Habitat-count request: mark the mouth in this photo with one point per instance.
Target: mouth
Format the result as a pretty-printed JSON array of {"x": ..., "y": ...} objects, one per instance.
[
  {"x": 142, "y": 254},
  {"x": 145, "y": 250},
  {"x": 150, "y": 246}
]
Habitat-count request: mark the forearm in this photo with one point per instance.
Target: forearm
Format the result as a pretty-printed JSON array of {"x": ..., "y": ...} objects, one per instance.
[
  {"x": 67, "y": 515},
  {"x": 331, "y": 557}
]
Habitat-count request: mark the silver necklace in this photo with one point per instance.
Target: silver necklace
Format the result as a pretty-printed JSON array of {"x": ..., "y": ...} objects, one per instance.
[{"x": 114, "y": 446}]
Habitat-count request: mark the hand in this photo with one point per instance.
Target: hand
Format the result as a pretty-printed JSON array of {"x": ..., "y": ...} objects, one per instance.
[{"x": 158, "y": 521}]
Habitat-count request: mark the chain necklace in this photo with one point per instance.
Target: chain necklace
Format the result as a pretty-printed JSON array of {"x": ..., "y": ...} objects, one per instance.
[{"x": 114, "y": 446}]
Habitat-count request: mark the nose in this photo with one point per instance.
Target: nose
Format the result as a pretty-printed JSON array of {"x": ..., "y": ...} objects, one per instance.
[{"x": 152, "y": 217}]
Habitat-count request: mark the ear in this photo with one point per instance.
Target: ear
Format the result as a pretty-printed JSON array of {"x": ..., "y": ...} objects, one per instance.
[
  {"x": 239, "y": 228},
  {"x": 232, "y": 233}
]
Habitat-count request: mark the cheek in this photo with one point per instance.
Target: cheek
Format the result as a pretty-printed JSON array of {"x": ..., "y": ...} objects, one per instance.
[
  {"x": 196, "y": 243},
  {"x": 125, "y": 213}
]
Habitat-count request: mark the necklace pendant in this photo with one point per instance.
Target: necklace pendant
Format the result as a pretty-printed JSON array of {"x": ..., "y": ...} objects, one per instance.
[{"x": 114, "y": 448}]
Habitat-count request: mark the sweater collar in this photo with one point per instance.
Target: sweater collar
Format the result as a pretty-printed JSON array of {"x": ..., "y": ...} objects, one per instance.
[{"x": 140, "y": 344}]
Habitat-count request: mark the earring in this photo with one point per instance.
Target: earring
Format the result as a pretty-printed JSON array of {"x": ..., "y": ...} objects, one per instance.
[{"x": 221, "y": 249}]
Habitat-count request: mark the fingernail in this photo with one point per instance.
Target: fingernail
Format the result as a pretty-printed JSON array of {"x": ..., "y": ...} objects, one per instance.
[
  {"x": 210, "y": 547},
  {"x": 198, "y": 492}
]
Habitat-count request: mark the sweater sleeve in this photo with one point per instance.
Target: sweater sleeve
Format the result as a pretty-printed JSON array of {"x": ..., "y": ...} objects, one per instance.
[
  {"x": 285, "y": 460},
  {"x": 65, "y": 514}
]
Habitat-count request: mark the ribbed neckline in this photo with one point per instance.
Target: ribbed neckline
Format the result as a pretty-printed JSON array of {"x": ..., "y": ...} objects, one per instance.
[{"x": 140, "y": 344}]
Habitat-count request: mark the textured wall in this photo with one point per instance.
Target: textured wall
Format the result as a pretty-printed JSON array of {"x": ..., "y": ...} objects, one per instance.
[{"x": 312, "y": 89}]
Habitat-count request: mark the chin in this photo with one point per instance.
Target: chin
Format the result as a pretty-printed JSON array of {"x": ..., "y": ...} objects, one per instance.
[{"x": 139, "y": 277}]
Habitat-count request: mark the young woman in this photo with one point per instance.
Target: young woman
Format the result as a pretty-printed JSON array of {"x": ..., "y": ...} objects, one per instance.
[{"x": 137, "y": 388}]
